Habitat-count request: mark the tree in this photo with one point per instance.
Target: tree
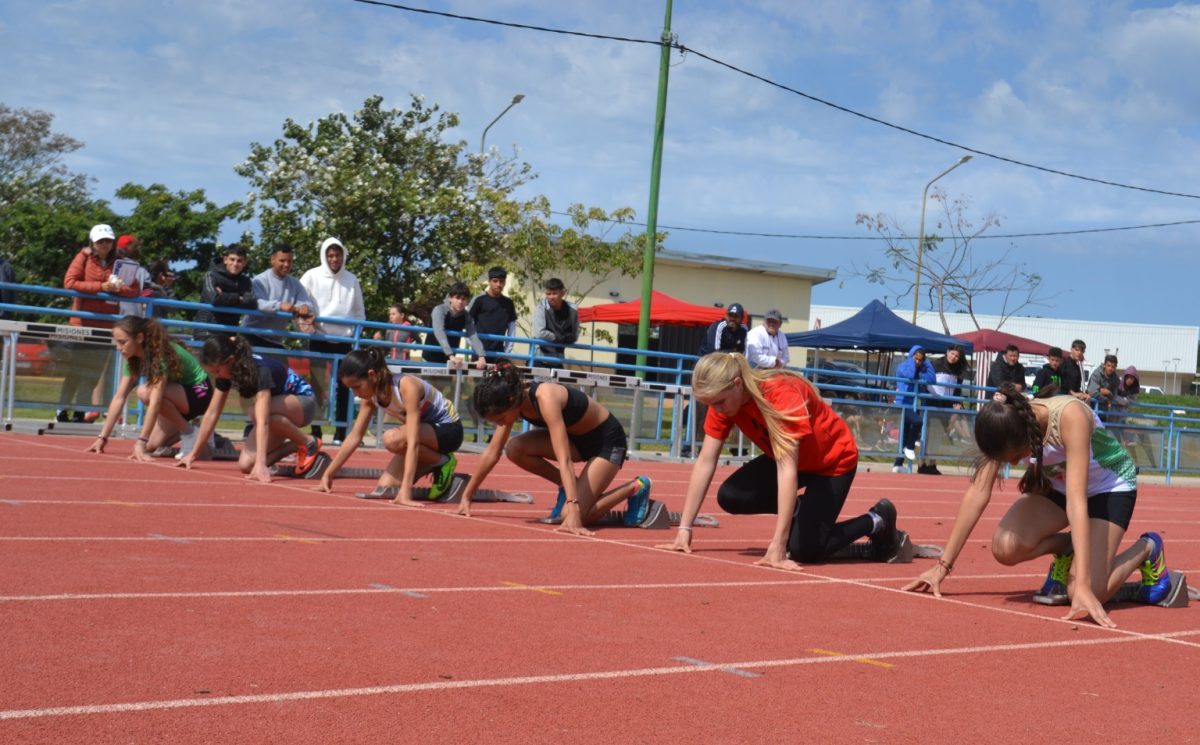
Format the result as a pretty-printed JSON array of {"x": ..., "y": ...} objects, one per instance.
[
  {"x": 181, "y": 227},
  {"x": 411, "y": 207},
  {"x": 582, "y": 255},
  {"x": 31, "y": 160},
  {"x": 953, "y": 276}
]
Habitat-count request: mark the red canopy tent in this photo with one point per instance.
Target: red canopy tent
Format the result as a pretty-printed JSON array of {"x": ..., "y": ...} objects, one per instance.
[
  {"x": 664, "y": 311},
  {"x": 992, "y": 340}
]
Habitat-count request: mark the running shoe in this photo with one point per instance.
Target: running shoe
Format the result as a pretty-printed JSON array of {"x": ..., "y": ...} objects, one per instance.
[
  {"x": 638, "y": 503},
  {"x": 1054, "y": 589},
  {"x": 307, "y": 458},
  {"x": 187, "y": 442},
  {"x": 555, "y": 515},
  {"x": 1156, "y": 580},
  {"x": 443, "y": 476},
  {"x": 886, "y": 541}
]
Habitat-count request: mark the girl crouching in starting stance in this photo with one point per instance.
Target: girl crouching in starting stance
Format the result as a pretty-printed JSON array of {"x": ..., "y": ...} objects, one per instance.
[
  {"x": 430, "y": 434},
  {"x": 804, "y": 443},
  {"x": 569, "y": 427},
  {"x": 1080, "y": 477},
  {"x": 281, "y": 401},
  {"x": 176, "y": 388}
]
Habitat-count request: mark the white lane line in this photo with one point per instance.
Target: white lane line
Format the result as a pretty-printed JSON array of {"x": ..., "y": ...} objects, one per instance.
[
  {"x": 270, "y": 539},
  {"x": 645, "y": 672}
]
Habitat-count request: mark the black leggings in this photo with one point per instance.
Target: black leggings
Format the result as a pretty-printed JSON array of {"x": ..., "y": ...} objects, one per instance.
[{"x": 815, "y": 535}]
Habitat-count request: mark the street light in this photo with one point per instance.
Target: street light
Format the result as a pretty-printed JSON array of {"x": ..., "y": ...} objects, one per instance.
[
  {"x": 483, "y": 138},
  {"x": 1174, "y": 375},
  {"x": 921, "y": 233}
]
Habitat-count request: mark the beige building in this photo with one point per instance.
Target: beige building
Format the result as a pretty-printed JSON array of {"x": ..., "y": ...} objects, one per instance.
[{"x": 701, "y": 279}]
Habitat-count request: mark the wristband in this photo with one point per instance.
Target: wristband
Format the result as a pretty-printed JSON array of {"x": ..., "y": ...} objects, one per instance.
[
  {"x": 144, "y": 440},
  {"x": 103, "y": 438},
  {"x": 948, "y": 567},
  {"x": 688, "y": 528}
]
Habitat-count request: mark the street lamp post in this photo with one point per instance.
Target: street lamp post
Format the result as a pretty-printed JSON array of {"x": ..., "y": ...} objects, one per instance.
[
  {"x": 1174, "y": 375},
  {"x": 921, "y": 234},
  {"x": 483, "y": 138}
]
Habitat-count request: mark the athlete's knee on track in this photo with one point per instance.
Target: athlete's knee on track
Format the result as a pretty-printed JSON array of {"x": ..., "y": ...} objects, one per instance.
[{"x": 732, "y": 500}]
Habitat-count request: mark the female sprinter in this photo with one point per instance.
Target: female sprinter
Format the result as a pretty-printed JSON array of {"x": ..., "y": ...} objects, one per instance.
[
  {"x": 569, "y": 427},
  {"x": 282, "y": 403},
  {"x": 430, "y": 434},
  {"x": 176, "y": 389},
  {"x": 1080, "y": 477},
  {"x": 804, "y": 443}
]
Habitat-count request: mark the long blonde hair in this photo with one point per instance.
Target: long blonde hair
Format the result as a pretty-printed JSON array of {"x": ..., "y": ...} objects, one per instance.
[{"x": 715, "y": 374}]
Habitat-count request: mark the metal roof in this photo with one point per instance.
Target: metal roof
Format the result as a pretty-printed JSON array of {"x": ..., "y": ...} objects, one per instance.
[{"x": 683, "y": 258}]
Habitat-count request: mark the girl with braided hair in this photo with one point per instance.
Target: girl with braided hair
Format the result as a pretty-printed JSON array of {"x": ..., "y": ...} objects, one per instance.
[
  {"x": 1077, "y": 476},
  {"x": 280, "y": 403},
  {"x": 429, "y": 434},
  {"x": 804, "y": 443},
  {"x": 176, "y": 388},
  {"x": 568, "y": 428}
]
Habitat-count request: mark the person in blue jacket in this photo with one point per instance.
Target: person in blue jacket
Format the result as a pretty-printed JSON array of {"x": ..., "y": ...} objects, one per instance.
[{"x": 918, "y": 374}]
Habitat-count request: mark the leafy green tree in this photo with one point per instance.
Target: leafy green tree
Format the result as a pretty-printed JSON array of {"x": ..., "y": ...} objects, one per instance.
[
  {"x": 181, "y": 227},
  {"x": 31, "y": 160},
  {"x": 412, "y": 208}
]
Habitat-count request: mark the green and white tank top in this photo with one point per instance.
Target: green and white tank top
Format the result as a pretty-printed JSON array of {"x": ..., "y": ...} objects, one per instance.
[{"x": 1110, "y": 467}]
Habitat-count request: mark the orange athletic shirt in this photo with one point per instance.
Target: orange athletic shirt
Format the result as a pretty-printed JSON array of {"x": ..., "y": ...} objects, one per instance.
[{"x": 824, "y": 445}]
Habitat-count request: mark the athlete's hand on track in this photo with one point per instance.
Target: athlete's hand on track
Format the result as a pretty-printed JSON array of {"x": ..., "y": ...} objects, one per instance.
[
  {"x": 139, "y": 453},
  {"x": 777, "y": 559},
  {"x": 186, "y": 461},
  {"x": 407, "y": 501},
  {"x": 464, "y": 508},
  {"x": 326, "y": 484},
  {"x": 260, "y": 472},
  {"x": 96, "y": 447},
  {"x": 930, "y": 579},
  {"x": 682, "y": 542},
  {"x": 1084, "y": 604}
]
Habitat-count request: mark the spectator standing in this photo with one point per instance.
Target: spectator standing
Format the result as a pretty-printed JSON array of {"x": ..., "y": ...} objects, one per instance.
[
  {"x": 452, "y": 315},
  {"x": 396, "y": 336},
  {"x": 917, "y": 373},
  {"x": 280, "y": 295},
  {"x": 949, "y": 370},
  {"x": 766, "y": 348},
  {"x": 494, "y": 313},
  {"x": 1104, "y": 383},
  {"x": 1007, "y": 369},
  {"x": 1050, "y": 373},
  {"x": 158, "y": 285},
  {"x": 337, "y": 294},
  {"x": 129, "y": 248},
  {"x": 226, "y": 286},
  {"x": 1071, "y": 371},
  {"x": 90, "y": 273},
  {"x": 555, "y": 320},
  {"x": 727, "y": 334}
]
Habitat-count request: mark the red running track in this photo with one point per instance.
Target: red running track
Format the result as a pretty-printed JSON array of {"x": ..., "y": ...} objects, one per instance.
[{"x": 143, "y": 603}]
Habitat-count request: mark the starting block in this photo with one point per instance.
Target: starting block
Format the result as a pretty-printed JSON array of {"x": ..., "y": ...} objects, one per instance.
[
  {"x": 1177, "y": 597},
  {"x": 657, "y": 517},
  {"x": 315, "y": 473},
  {"x": 908, "y": 550},
  {"x": 458, "y": 484}
]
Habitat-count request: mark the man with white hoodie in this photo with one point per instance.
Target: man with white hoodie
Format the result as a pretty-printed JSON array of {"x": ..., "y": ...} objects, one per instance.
[{"x": 338, "y": 294}]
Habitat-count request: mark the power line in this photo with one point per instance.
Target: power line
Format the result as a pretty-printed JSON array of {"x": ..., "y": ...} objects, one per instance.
[
  {"x": 781, "y": 86},
  {"x": 794, "y": 236}
]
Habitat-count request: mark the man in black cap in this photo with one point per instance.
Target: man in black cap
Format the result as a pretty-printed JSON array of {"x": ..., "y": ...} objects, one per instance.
[
  {"x": 494, "y": 313},
  {"x": 727, "y": 334}
]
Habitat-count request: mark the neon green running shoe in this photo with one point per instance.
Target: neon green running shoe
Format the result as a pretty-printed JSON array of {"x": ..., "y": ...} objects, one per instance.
[
  {"x": 1054, "y": 589},
  {"x": 1156, "y": 580},
  {"x": 443, "y": 475}
]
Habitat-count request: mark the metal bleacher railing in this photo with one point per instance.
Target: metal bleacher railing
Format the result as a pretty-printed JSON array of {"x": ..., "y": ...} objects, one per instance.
[{"x": 658, "y": 415}]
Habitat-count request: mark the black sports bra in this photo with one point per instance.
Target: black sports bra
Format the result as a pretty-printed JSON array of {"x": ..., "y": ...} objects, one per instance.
[{"x": 577, "y": 406}]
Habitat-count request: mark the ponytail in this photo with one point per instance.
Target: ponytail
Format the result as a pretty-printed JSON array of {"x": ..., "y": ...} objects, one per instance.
[
  {"x": 1007, "y": 424},
  {"x": 500, "y": 391},
  {"x": 219, "y": 348},
  {"x": 360, "y": 362},
  {"x": 715, "y": 373}
]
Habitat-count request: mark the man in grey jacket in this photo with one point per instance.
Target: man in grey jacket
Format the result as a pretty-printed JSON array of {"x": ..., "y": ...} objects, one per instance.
[
  {"x": 556, "y": 321},
  {"x": 452, "y": 315},
  {"x": 1104, "y": 382},
  {"x": 282, "y": 297}
]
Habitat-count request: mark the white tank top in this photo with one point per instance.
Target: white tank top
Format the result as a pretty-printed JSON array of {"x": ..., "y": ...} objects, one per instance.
[{"x": 434, "y": 407}]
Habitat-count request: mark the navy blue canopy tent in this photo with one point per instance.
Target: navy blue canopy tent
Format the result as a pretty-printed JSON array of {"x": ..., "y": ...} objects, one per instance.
[{"x": 875, "y": 328}]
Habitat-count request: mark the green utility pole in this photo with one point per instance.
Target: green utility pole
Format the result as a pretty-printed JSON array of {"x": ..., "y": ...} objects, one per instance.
[{"x": 660, "y": 120}]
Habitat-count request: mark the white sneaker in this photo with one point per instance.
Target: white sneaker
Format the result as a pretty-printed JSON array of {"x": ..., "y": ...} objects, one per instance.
[
  {"x": 910, "y": 453},
  {"x": 897, "y": 469},
  {"x": 187, "y": 442}
]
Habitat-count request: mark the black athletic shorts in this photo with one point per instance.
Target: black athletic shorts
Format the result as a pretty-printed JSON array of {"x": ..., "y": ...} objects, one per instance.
[
  {"x": 1115, "y": 506},
  {"x": 198, "y": 397},
  {"x": 607, "y": 441},
  {"x": 449, "y": 436}
]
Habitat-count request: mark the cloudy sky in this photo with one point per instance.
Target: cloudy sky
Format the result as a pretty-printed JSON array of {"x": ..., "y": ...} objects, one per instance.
[{"x": 174, "y": 92}]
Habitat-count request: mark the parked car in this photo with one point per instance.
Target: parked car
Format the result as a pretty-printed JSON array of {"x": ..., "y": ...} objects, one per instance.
[{"x": 34, "y": 358}]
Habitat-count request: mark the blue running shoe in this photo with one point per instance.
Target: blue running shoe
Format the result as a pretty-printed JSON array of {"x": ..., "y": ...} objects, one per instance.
[
  {"x": 555, "y": 515},
  {"x": 1156, "y": 580},
  {"x": 1054, "y": 589},
  {"x": 638, "y": 504}
]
